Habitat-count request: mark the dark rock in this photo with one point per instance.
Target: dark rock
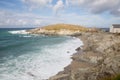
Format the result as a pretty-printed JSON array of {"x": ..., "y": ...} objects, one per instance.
[
  {"x": 78, "y": 49},
  {"x": 68, "y": 51}
]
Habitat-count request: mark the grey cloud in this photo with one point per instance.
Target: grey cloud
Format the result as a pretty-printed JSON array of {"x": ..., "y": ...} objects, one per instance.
[
  {"x": 13, "y": 18},
  {"x": 37, "y": 4},
  {"x": 97, "y": 6},
  {"x": 9, "y": 18},
  {"x": 116, "y": 12},
  {"x": 33, "y": 4}
]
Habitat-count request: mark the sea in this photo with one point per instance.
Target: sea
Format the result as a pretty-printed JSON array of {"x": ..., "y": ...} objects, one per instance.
[{"x": 26, "y": 56}]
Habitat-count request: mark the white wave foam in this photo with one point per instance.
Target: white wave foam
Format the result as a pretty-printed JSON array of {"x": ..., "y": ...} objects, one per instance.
[
  {"x": 39, "y": 65},
  {"x": 27, "y": 36},
  {"x": 18, "y": 32}
]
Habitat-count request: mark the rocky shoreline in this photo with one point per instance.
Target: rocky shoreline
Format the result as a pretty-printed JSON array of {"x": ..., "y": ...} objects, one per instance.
[{"x": 97, "y": 59}]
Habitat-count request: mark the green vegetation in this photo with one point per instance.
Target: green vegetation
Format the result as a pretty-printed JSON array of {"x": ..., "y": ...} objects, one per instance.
[
  {"x": 117, "y": 77},
  {"x": 66, "y": 27}
]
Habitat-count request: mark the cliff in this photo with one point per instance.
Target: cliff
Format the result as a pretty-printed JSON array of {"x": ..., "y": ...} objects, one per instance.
[
  {"x": 60, "y": 29},
  {"x": 99, "y": 58}
]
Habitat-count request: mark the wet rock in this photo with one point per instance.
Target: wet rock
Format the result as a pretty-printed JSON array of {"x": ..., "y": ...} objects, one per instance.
[{"x": 78, "y": 49}]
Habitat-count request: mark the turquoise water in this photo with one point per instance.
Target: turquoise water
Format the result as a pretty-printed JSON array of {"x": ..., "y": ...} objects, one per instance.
[{"x": 33, "y": 57}]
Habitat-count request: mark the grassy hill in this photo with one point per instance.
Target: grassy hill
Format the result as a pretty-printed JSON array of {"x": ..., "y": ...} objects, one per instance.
[
  {"x": 61, "y": 29},
  {"x": 65, "y": 26}
]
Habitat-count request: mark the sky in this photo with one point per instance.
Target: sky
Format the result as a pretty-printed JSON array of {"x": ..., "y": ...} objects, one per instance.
[{"x": 35, "y": 13}]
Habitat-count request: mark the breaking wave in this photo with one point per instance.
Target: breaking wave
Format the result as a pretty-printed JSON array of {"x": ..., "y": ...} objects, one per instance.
[
  {"x": 18, "y": 32},
  {"x": 40, "y": 61}
]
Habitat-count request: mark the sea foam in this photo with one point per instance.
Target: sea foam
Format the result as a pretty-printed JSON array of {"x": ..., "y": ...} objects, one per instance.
[
  {"x": 18, "y": 32},
  {"x": 40, "y": 65}
]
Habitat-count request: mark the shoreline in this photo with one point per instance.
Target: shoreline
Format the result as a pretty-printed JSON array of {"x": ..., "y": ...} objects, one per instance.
[
  {"x": 92, "y": 61},
  {"x": 44, "y": 70},
  {"x": 69, "y": 52}
]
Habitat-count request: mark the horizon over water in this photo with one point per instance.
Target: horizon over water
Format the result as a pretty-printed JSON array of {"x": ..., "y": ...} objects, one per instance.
[{"x": 33, "y": 57}]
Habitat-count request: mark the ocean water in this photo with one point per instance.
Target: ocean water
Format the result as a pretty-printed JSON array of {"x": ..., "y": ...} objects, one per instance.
[{"x": 33, "y": 57}]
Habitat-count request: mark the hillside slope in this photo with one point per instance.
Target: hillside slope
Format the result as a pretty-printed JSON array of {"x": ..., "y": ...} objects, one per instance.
[
  {"x": 60, "y": 29},
  {"x": 65, "y": 26}
]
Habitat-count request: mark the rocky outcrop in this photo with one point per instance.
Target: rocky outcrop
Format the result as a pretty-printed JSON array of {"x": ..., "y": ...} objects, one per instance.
[
  {"x": 61, "y": 29},
  {"x": 54, "y": 32},
  {"x": 98, "y": 58}
]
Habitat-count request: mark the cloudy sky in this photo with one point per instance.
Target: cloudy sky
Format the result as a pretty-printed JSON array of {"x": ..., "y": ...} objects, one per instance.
[{"x": 33, "y": 13}]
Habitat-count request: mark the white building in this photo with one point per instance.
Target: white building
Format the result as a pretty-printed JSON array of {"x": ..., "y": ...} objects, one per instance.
[{"x": 115, "y": 28}]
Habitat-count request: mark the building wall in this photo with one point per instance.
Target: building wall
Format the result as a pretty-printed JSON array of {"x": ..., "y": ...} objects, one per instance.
[
  {"x": 114, "y": 30},
  {"x": 111, "y": 29}
]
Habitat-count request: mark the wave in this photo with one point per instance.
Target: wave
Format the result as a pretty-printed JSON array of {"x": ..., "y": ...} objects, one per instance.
[
  {"x": 41, "y": 64},
  {"x": 18, "y": 32},
  {"x": 27, "y": 36}
]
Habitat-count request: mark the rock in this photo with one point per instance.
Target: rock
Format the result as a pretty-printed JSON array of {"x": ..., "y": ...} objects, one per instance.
[
  {"x": 78, "y": 49},
  {"x": 68, "y": 51},
  {"x": 60, "y": 77},
  {"x": 98, "y": 58},
  {"x": 61, "y": 29}
]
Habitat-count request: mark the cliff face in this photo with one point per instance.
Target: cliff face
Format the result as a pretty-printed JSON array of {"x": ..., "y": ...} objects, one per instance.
[{"x": 98, "y": 58}]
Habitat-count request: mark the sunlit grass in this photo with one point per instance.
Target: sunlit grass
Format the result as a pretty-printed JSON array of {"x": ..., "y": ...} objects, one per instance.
[
  {"x": 115, "y": 77},
  {"x": 66, "y": 27}
]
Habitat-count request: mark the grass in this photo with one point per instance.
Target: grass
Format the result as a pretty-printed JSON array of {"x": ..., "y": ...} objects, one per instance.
[
  {"x": 66, "y": 27},
  {"x": 116, "y": 77}
]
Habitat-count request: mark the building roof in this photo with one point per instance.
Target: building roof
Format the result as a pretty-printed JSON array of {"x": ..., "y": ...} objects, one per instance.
[{"x": 116, "y": 25}]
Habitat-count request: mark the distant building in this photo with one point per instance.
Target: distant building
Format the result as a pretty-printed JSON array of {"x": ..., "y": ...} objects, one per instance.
[{"x": 115, "y": 28}]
